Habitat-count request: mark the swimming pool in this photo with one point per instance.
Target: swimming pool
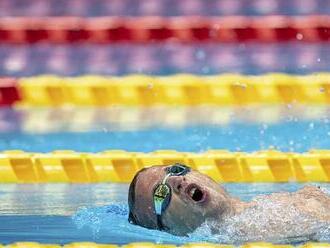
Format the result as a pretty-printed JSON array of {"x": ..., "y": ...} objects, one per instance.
[
  {"x": 63, "y": 213},
  {"x": 117, "y": 38}
]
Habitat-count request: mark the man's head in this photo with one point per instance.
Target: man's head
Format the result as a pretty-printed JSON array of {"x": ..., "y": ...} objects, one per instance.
[{"x": 194, "y": 197}]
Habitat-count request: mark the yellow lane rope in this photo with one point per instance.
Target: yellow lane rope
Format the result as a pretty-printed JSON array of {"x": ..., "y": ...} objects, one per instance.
[
  {"x": 152, "y": 245},
  {"x": 179, "y": 89},
  {"x": 120, "y": 166}
]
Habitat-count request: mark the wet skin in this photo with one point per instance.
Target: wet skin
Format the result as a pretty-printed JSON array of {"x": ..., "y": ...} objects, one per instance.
[{"x": 196, "y": 198}]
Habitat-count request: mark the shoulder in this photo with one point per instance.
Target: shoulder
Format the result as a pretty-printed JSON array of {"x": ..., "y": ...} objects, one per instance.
[
  {"x": 313, "y": 191},
  {"x": 314, "y": 201}
]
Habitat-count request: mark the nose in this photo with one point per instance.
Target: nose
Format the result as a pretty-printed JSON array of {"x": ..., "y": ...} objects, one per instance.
[{"x": 176, "y": 183}]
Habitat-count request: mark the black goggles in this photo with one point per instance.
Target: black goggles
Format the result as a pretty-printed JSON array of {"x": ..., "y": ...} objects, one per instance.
[{"x": 162, "y": 193}]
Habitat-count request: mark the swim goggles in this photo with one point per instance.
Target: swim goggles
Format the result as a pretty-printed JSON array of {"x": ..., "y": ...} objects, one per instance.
[{"x": 162, "y": 192}]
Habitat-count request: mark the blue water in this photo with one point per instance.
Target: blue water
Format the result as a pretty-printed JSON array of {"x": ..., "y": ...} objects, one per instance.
[
  {"x": 94, "y": 130},
  {"x": 238, "y": 137},
  {"x": 62, "y": 213}
]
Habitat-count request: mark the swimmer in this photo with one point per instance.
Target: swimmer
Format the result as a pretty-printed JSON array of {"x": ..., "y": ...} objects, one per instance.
[{"x": 179, "y": 200}]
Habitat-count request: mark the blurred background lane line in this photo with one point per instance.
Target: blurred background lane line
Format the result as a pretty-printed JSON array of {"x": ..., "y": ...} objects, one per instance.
[
  {"x": 161, "y": 7},
  {"x": 162, "y": 59}
]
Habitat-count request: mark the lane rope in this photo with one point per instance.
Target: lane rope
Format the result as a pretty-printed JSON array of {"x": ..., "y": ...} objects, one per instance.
[
  {"x": 184, "y": 29},
  {"x": 120, "y": 166},
  {"x": 178, "y": 89}
]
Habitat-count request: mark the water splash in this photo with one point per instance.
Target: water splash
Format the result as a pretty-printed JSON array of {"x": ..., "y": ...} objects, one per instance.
[
  {"x": 269, "y": 220},
  {"x": 112, "y": 221}
]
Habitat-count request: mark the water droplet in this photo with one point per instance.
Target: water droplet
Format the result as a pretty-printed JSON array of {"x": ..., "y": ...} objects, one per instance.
[
  {"x": 299, "y": 36},
  {"x": 200, "y": 54},
  {"x": 311, "y": 125},
  {"x": 206, "y": 69},
  {"x": 318, "y": 59},
  {"x": 322, "y": 89}
]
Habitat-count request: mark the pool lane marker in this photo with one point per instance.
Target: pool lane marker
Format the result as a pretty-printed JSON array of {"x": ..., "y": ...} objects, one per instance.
[
  {"x": 156, "y": 28},
  {"x": 173, "y": 90},
  {"x": 120, "y": 166}
]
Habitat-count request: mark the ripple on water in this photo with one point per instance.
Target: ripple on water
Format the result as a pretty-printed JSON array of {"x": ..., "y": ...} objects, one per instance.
[{"x": 112, "y": 220}]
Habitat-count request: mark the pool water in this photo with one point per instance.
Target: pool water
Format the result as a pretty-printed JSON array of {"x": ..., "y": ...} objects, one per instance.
[
  {"x": 160, "y": 8},
  {"x": 287, "y": 128},
  {"x": 62, "y": 213},
  {"x": 163, "y": 59}
]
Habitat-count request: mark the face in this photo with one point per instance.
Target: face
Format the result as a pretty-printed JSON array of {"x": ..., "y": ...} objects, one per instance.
[{"x": 194, "y": 198}]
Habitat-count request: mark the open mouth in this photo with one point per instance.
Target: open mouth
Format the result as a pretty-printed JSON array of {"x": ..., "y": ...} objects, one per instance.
[{"x": 195, "y": 193}]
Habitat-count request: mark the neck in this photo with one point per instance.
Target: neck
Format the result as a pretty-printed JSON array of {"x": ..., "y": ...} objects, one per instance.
[
  {"x": 237, "y": 206},
  {"x": 227, "y": 205},
  {"x": 232, "y": 206}
]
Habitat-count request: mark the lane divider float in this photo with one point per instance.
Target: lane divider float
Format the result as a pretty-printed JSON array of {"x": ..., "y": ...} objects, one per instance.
[
  {"x": 178, "y": 89},
  {"x": 156, "y": 28},
  {"x": 120, "y": 166}
]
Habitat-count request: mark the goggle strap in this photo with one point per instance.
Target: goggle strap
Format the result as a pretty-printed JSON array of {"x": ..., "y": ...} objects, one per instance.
[
  {"x": 160, "y": 225},
  {"x": 165, "y": 178},
  {"x": 160, "y": 204}
]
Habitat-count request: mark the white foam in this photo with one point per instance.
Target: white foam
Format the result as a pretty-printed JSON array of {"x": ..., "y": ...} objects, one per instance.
[{"x": 268, "y": 220}]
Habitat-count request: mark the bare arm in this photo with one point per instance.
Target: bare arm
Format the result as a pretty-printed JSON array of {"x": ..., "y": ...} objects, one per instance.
[
  {"x": 313, "y": 201},
  {"x": 282, "y": 216}
]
